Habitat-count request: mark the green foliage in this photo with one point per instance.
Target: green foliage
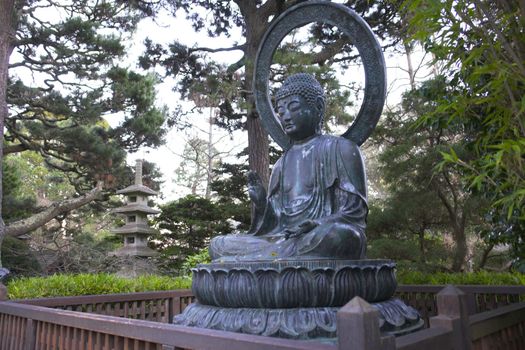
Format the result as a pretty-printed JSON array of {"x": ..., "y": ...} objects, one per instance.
[
  {"x": 18, "y": 258},
  {"x": 477, "y": 278},
  {"x": 90, "y": 284},
  {"x": 420, "y": 197},
  {"x": 187, "y": 225},
  {"x": 408, "y": 251},
  {"x": 202, "y": 257},
  {"x": 481, "y": 46},
  {"x": 60, "y": 113}
]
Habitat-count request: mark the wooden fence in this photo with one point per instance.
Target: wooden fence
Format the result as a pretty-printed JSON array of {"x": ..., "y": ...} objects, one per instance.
[
  {"x": 34, "y": 324},
  {"x": 150, "y": 306},
  {"x": 479, "y": 298}
]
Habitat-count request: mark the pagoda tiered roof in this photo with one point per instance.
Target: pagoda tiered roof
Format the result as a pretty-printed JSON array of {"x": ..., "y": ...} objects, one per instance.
[
  {"x": 135, "y": 251},
  {"x": 136, "y": 208},
  {"x": 134, "y": 228},
  {"x": 138, "y": 189}
]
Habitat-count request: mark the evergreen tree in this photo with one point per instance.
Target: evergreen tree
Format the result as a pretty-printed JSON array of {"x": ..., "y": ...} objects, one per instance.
[
  {"x": 253, "y": 17},
  {"x": 187, "y": 226},
  {"x": 421, "y": 196},
  {"x": 77, "y": 81}
]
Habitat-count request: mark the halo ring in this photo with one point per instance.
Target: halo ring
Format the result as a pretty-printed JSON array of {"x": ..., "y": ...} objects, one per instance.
[{"x": 366, "y": 43}]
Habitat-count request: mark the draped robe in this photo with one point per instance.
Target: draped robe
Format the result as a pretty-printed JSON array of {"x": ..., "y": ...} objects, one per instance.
[{"x": 323, "y": 180}]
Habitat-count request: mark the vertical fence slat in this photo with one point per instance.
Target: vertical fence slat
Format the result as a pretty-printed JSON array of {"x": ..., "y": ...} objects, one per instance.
[
  {"x": 4, "y": 324},
  {"x": 30, "y": 335}
]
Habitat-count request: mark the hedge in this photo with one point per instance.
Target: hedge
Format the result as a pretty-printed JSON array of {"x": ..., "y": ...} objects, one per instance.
[
  {"x": 90, "y": 284},
  {"x": 477, "y": 278}
]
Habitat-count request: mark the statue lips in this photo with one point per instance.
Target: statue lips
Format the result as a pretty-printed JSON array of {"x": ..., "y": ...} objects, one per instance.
[{"x": 289, "y": 127}]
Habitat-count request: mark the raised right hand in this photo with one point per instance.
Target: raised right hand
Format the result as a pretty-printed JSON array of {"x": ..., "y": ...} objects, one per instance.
[{"x": 256, "y": 189}]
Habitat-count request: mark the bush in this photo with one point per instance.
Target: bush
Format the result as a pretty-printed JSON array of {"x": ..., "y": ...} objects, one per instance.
[
  {"x": 406, "y": 251},
  {"x": 90, "y": 284},
  {"x": 477, "y": 278},
  {"x": 202, "y": 257},
  {"x": 18, "y": 258}
]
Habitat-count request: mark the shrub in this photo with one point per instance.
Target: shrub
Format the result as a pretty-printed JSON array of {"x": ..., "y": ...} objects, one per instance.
[
  {"x": 90, "y": 284},
  {"x": 202, "y": 257},
  {"x": 477, "y": 278}
]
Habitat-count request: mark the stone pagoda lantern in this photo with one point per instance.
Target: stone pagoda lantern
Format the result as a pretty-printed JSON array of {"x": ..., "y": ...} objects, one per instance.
[{"x": 136, "y": 211}]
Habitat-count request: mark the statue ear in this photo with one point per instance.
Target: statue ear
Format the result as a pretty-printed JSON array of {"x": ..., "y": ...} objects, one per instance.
[{"x": 320, "y": 104}]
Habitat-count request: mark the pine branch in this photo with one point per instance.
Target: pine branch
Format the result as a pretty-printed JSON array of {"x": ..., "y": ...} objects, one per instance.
[
  {"x": 219, "y": 49},
  {"x": 14, "y": 148},
  {"x": 23, "y": 226}
]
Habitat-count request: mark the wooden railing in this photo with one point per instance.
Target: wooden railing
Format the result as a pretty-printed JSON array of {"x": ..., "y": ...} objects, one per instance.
[
  {"x": 28, "y": 327},
  {"x": 33, "y": 324},
  {"x": 150, "y": 306},
  {"x": 479, "y": 298},
  {"x": 454, "y": 328}
]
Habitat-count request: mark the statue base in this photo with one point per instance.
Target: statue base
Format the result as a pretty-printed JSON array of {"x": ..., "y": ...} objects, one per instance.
[
  {"x": 296, "y": 299},
  {"x": 395, "y": 318}
]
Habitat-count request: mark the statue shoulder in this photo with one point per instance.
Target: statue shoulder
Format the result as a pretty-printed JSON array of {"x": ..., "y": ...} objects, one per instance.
[{"x": 348, "y": 148}]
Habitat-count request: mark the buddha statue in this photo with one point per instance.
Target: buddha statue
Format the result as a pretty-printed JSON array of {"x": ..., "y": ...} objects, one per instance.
[{"x": 316, "y": 205}]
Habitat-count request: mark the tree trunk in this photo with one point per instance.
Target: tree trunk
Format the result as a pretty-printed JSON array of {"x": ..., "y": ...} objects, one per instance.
[
  {"x": 209, "y": 170},
  {"x": 485, "y": 256},
  {"x": 258, "y": 144},
  {"x": 7, "y": 36},
  {"x": 411, "y": 73},
  {"x": 461, "y": 251},
  {"x": 421, "y": 236}
]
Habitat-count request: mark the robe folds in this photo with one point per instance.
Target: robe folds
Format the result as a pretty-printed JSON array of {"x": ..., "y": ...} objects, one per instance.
[{"x": 334, "y": 198}]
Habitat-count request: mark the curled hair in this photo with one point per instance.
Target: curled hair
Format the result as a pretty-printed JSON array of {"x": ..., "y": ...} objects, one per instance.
[{"x": 305, "y": 85}]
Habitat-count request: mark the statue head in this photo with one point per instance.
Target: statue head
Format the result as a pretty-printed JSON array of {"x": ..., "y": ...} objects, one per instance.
[{"x": 300, "y": 105}]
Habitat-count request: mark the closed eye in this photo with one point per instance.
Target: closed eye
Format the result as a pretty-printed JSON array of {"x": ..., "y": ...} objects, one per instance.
[{"x": 294, "y": 106}]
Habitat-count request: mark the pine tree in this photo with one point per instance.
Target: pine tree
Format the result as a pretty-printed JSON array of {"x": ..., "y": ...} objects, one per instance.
[{"x": 77, "y": 81}]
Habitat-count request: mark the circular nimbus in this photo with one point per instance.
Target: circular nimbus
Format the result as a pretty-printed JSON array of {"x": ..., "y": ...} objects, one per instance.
[{"x": 352, "y": 25}]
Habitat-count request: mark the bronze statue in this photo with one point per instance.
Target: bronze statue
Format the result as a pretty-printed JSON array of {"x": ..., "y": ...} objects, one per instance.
[
  {"x": 316, "y": 205},
  {"x": 303, "y": 257}
]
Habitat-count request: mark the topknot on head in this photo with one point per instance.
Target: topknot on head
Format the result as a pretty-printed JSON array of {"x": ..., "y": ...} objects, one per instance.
[{"x": 302, "y": 84}]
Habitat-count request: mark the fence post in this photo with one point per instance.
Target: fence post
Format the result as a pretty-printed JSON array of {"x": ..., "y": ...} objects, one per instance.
[
  {"x": 453, "y": 314},
  {"x": 173, "y": 308},
  {"x": 3, "y": 292},
  {"x": 358, "y": 328}
]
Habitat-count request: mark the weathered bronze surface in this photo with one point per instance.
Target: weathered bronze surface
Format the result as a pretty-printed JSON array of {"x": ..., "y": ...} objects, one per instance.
[
  {"x": 360, "y": 35},
  {"x": 395, "y": 318},
  {"x": 316, "y": 204},
  {"x": 304, "y": 255},
  {"x": 293, "y": 283}
]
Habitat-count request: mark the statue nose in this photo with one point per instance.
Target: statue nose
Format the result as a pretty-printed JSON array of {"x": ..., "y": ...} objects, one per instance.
[{"x": 286, "y": 115}]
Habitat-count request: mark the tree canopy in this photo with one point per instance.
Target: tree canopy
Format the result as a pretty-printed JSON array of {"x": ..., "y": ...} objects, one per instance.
[
  {"x": 62, "y": 77},
  {"x": 480, "y": 48},
  {"x": 252, "y": 18}
]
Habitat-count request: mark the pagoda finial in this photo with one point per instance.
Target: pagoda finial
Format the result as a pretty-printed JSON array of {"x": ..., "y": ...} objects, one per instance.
[{"x": 138, "y": 172}]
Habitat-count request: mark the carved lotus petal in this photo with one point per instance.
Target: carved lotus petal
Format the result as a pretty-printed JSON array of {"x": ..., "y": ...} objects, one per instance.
[
  {"x": 242, "y": 285},
  {"x": 296, "y": 287},
  {"x": 323, "y": 287},
  {"x": 268, "y": 282}
]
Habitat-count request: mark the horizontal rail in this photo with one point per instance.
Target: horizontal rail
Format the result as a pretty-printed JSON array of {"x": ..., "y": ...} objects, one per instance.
[
  {"x": 159, "y": 333},
  {"x": 428, "y": 339},
  {"x": 104, "y": 298},
  {"x": 467, "y": 288},
  {"x": 108, "y": 298},
  {"x": 493, "y": 321}
]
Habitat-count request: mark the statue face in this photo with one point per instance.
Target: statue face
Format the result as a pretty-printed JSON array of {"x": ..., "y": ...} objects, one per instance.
[{"x": 298, "y": 118}]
